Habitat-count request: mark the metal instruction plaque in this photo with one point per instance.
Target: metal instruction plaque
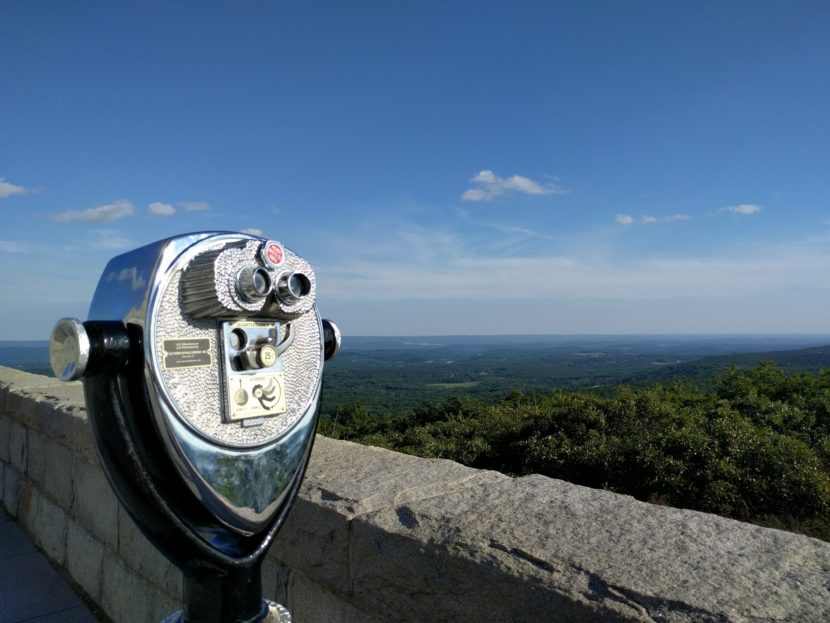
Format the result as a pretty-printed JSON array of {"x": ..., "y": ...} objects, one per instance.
[{"x": 186, "y": 353}]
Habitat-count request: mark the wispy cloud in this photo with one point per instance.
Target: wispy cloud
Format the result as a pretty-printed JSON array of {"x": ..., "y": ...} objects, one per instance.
[
  {"x": 627, "y": 219},
  {"x": 507, "y": 230},
  {"x": 489, "y": 186},
  {"x": 743, "y": 208},
  {"x": 651, "y": 220},
  {"x": 7, "y": 189},
  {"x": 195, "y": 206},
  {"x": 102, "y": 214},
  {"x": 161, "y": 209},
  {"x": 13, "y": 246},
  {"x": 398, "y": 268},
  {"x": 253, "y": 231}
]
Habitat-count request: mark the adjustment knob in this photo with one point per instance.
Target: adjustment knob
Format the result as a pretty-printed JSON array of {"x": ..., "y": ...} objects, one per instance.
[
  {"x": 78, "y": 349},
  {"x": 331, "y": 340},
  {"x": 69, "y": 349},
  {"x": 266, "y": 356},
  {"x": 261, "y": 356}
]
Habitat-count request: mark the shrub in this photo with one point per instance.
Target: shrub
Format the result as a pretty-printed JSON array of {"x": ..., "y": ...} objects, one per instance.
[{"x": 757, "y": 447}]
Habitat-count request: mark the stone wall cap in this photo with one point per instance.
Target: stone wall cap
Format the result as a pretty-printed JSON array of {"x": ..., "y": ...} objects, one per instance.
[
  {"x": 354, "y": 479},
  {"x": 600, "y": 547}
]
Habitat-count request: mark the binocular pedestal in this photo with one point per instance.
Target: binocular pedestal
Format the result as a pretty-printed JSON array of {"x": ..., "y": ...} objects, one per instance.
[
  {"x": 271, "y": 613},
  {"x": 221, "y": 568},
  {"x": 204, "y": 407}
]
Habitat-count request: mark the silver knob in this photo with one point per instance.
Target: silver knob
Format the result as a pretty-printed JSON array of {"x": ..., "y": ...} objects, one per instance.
[
  {"x": 69, "y": 349},
  {"x": 261, "y": 356},
  {"x": 331, "y": 340}
]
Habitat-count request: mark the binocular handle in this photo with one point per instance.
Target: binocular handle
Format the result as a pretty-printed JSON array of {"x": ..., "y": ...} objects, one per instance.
[
  {"x": 331, "y": 339},
  {"x": 78, "y": 349}
]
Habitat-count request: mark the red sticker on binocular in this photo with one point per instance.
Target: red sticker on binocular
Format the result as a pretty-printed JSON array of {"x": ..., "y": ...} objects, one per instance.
[{"x": 274, "y": 253}]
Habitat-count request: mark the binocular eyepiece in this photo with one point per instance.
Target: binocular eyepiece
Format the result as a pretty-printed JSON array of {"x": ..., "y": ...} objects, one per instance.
[
  {"x": 253, "y": 283},
  {"x": 202, "y": 366}
]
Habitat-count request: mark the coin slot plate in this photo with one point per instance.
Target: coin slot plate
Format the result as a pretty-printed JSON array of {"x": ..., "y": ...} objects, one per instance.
[{"x": 253, "y": 393}]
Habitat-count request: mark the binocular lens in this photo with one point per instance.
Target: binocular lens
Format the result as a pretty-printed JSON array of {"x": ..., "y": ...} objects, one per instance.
[
  {"x": 299, "y": 285},
  {"x": 261, "y": 282},
  {"x": 253, "y": 283},
  {"x": 294, "y": 287}
]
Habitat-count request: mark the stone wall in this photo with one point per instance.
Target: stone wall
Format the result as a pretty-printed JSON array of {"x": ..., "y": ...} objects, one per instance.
[{"x": 380, "y": 536}]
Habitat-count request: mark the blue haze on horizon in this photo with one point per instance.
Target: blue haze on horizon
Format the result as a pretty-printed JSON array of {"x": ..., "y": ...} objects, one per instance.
[{"x": 448, "y": 168}]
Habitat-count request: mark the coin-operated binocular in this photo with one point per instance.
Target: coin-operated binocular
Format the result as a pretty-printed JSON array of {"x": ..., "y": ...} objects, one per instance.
[{"x": 202, "y": 363}]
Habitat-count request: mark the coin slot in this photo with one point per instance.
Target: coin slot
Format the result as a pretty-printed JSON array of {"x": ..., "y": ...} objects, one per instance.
[{"x": 238, "y": 339}]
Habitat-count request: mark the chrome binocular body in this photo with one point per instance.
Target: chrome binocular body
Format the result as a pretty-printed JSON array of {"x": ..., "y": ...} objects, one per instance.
[{"x": 202, "y": 365}]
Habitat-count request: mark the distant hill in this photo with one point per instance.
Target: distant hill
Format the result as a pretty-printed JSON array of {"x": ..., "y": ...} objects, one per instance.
[
  {"x": 31, "y": 356},
  {"x": 704, "y": 370},
  {"x": 392, "y": 375}
]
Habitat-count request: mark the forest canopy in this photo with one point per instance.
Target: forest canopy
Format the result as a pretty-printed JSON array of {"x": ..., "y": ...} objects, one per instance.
[{"x": 755, "y": 447}]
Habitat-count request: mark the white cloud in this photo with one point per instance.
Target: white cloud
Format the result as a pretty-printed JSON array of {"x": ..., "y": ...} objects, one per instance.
[
  {"x": 195, "y": 206},
  {"x": 7, "y": 189},
  {"x": 624, "y": 219},
  {"x": 253, "y": 231},
  {"x": 743, "y": 208},
  {"x": 101, "y": 214},
  {"x": 650, "y": 220},
  {"x": 161, "y": 209},
  {"x": 490, "y": 186},
  {"x": 476, "y": 194}
]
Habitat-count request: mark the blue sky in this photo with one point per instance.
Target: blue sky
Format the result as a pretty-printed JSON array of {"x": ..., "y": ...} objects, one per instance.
[{"x": 463, "y": 167}]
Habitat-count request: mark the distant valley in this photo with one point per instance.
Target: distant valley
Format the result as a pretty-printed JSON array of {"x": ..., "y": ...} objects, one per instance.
[{"x": 390, "y": 375}]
